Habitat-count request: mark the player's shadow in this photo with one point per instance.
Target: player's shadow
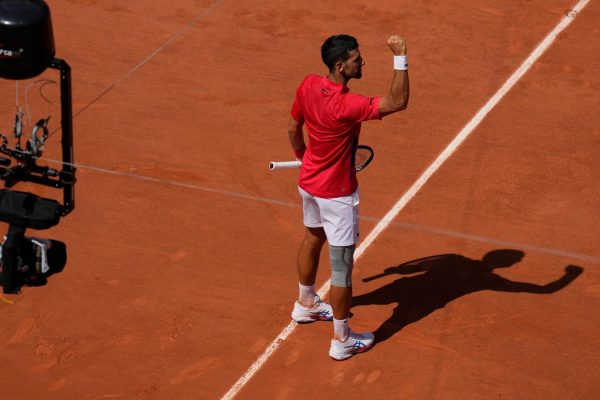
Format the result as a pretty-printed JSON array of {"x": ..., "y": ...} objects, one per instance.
[{"x": 432, "y": 282}]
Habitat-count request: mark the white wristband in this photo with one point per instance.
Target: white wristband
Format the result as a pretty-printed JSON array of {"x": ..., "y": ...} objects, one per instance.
[{"x": 401, "y": 63}]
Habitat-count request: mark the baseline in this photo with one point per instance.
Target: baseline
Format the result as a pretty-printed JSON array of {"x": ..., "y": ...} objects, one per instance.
[{"x": 362, "y": 217}]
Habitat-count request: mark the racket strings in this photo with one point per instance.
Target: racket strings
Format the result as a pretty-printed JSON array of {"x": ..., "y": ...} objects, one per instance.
[{"x": 363, "y": 157}]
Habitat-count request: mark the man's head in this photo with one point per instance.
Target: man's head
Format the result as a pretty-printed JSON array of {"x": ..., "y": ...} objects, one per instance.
[
  {"x": 502, "y": 258},
  {"x": 340, "y": 54}
]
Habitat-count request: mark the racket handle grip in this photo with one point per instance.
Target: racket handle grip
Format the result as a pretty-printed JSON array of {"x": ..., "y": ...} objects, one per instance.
[{"x": 284, "y": 164}]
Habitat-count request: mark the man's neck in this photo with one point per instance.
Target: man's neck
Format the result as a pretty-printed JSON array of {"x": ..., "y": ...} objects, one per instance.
[{"x": 336, "y": 77}]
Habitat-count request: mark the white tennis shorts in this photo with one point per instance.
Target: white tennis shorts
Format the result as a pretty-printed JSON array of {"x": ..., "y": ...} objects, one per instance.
[{"x": 337, "y": 216}]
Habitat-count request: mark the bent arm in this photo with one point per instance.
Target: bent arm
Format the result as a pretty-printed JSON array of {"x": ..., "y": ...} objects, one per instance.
[
  {"x": 296, "y": 137},
  {"x": 397, "y": 98}
]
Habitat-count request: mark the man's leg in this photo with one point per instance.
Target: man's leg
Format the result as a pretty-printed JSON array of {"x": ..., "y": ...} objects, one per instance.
[
  {"x": 340, "y": 294},
  {"x": 342, "y": 261},
  {"x": 345, "y": 342},
  {"x": 308, "y": 257},
  {"x": 309, "y": 307},
  {"x": 341, "y": 300},
  {"x": 340, "y": 222}
]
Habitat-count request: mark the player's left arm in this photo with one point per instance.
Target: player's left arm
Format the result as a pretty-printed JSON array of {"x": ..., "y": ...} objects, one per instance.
[
  {"x": 397, "y": 97},
  {"x": 297, "y": 137}
]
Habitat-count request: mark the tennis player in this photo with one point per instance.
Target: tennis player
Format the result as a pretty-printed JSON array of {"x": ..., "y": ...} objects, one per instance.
[{"x": 327, "y": 183}]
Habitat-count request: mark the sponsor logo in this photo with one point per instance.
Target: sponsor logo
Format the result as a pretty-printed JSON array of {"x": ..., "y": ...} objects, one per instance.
[{"x": 6, "y": 53}]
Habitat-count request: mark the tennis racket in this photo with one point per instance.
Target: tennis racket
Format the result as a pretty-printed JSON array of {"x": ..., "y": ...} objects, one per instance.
[{"x": 363, "y": 156}]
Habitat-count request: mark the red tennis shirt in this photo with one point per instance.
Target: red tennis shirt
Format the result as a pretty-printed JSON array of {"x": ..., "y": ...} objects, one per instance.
[{"x": 332, "y": 117}]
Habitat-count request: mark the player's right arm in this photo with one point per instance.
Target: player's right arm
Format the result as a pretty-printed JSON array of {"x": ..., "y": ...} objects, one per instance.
[
  {"x": 397, "y": 98},
  {"x": 295, "y": 132},
  {"x": 296, "y": 137}
]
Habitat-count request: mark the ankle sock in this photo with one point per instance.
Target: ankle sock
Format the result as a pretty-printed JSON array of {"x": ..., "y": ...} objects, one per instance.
[
  {"x": 341, "y": 330},
  {"x": 306, "y": 294}
]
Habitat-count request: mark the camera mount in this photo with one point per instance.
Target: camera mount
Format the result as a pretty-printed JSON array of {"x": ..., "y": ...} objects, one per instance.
[{"x": 27, "y": 50}]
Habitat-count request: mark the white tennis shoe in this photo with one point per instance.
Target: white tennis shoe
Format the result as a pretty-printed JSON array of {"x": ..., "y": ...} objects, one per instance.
[
  {"x": 356, "y": 343},
  {"x": 320, "y": 311}
]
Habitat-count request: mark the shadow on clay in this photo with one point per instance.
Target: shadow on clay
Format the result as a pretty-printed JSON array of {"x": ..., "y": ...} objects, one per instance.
[{"x": 429, "y": 283}]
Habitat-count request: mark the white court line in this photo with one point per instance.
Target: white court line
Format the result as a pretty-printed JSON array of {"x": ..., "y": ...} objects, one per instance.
[{"x": 448, "y": 151}]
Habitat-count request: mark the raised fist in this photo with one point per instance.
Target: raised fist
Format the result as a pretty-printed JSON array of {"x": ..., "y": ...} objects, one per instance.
[
  {"x": 573, "y": 270},
  {"x": 397, "y": 44}
]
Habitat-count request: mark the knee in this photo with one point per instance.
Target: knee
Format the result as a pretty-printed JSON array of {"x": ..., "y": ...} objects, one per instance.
[{"x": 342, "y": 262}]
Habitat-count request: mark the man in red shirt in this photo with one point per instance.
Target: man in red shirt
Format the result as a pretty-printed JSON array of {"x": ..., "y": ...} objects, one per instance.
[{"x": 327, "y": 182}]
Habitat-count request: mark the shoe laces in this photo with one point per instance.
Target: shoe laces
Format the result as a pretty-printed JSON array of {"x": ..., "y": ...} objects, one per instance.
[
  {"x": 356, "y": 345},
  {"x": 355, "y": 341}
]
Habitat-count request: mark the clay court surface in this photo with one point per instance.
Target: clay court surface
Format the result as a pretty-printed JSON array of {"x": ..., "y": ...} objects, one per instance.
[{"x": 182, "y": 244}]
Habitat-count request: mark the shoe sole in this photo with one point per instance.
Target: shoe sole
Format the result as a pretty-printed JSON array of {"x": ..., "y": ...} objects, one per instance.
[{"x": 310, "y": 320}]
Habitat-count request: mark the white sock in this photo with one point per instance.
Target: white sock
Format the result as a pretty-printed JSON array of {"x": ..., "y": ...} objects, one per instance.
[
  {"x": 307, "y": 295},
  {"x": 341, "y": 330}
]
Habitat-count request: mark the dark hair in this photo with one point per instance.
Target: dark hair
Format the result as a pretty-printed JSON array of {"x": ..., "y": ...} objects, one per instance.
[{"x": 337, "y": 48}]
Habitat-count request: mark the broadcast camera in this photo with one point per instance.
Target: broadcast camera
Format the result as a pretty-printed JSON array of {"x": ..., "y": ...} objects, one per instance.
[{"x": 26, "y": 51}]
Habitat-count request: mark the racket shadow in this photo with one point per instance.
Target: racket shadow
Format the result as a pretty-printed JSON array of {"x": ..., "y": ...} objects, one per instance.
[{"x": 428, "y": 284}]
